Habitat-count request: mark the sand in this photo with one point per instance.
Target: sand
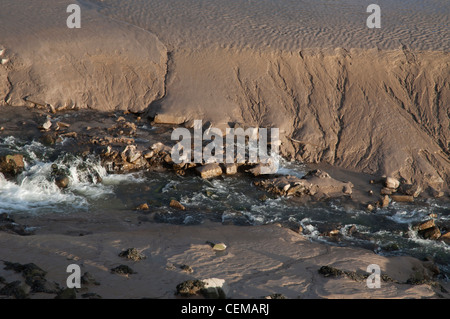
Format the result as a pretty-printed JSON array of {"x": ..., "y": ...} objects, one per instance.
[
  {"x": 371, "y": 101},
  {"x": 374, "y": 101},
  {"x": 259, "y": 261}
]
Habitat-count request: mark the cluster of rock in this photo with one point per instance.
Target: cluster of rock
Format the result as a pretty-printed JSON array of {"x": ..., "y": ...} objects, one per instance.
[
  {"x": 394, "y": 190},
  {"x": 35, "y": 281},
  {"x": 316, "y": 183},
  {"x": 429, "y": 230}
]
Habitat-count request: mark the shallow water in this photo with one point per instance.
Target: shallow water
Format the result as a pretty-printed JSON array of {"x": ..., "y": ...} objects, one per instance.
[{"x": 230, "y": 199}]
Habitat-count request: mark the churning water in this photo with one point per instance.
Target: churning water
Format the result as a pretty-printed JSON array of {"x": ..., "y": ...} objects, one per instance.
[{"x": 231, "y": 199}]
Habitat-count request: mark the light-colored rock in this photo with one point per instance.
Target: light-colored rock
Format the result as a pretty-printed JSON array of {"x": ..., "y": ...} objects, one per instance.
[
  {"x": 231, "y": 169},
  {"x": 215, "y": 288},
  {"x": 47, "y": 125},
  {"x": 392, "y": 183},
  {"x": 403, "y": 198},
  {"x": 209, "y": 170},
  {"x": 219, "y": 247},
  {"x": 169, "y": 119}
]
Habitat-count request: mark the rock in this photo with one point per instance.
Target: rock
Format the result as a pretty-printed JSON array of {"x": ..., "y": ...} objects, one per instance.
[
  {"x": 387, "y": 191},
  {"x": 46, "y": 125},
  {"x": 215, "y": 288},
  {"x": 42, "y": 285},
  {"x": 209, "y": 170},
  {"x": 410, "y": 189},
  {"x": 27, "y": 270},
  {"x": 48, "y": 139},
  {"x": 316, "y": 183},
  {"x": 275, "y": 296},
  {"x": 176, "y": 204},
  {"x": 424, "y": 225},
  {"x": 62, "y": 181},
  {"x": 435, "y": 193},
  {"x": 385, "y": 201},
  {"x": 370, "y": 207},
  {"x": 122, "y": 270},
  {"x": 263, "y": 169},
  {"x": 132, "y": 254},
  {"x": 219, "y": 247},
  {"x": 392, "y": 183},
  {"x": 67, "y": 293},
  {"x": 130, "y": 154},
  {"x": 143, "y": 207},
  {"x": 160, "y": 147},
  {"x": 430, "y": 233},
  {"x": 403, "y": 198},
  {"x": 149, "y": 154},
  {"x": 230, "y": 169},
  {"x": 89, "y": 279},
  {"x": 11, "y": 165},
  {"x": 446, "y": 238},
  {"x": 190, "y": 288},
  {"x": 16, "y": 289},
  {"x": 187, "y": 269},
  {"x": 169, "y": 119}
]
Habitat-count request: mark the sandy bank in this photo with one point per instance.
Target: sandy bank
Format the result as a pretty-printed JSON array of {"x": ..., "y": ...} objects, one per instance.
[
  {"x": 344, "y": 103},
  {"x": 259, "y": 261}
]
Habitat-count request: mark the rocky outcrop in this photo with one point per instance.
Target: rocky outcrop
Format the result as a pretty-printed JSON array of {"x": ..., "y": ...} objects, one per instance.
[{"x": 316, "y": 183}]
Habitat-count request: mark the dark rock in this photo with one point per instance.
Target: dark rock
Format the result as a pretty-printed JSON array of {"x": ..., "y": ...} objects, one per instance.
[
  {"x": 16, "y": 289},
  {"x": 89, "y": 279},
  {"x": 68, "y": 293},
  {"x": 386, "y": 191},
  {"x": 410, "y": 189},
  {"x": 27, "y": 270},
  {"x": 187, "y": 269},
  {"x": 123, "y": 270},
  {"x": 133, "y": 254},
  {"x": 62, "y": 181},
  {"x": 435, "y": 193},
  {"x": 328, "y": 271},
  {"x": 39, "y": 284},
  {"x": 190, "y": 288}
]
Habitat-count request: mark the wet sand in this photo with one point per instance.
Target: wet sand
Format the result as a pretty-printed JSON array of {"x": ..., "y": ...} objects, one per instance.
[{"x": 259, "y": 261}]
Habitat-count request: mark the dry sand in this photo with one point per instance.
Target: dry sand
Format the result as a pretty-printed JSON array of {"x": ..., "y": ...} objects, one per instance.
[
  {"x": 374, "y": 101},
  {"x": 258, "y": 262}
]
